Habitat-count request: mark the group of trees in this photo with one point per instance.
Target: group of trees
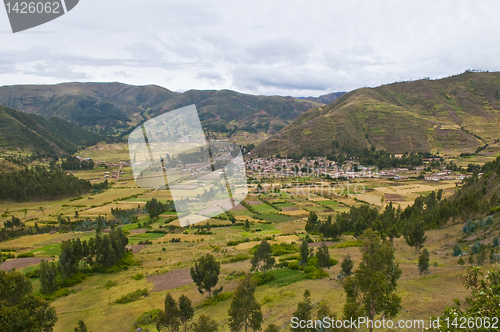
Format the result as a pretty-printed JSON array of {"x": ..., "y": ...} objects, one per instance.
[
  {"x": 74, "y": 164},
  {"x": 39, "y": 184},
  {"x": 154, "y": 207},
  {"x": 20, "y": 309},
  {"x": 99, "y": 252},
  {"x": 176, "y": 315}
]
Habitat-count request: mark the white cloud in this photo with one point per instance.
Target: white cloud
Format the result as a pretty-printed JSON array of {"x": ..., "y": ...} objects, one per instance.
[{"x": 278, "y": 47}]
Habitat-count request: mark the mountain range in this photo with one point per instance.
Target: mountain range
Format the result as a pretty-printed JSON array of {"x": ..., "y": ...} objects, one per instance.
[
  {"x": 30, "y": 132},
  {"x": 121, "y": 106},
  {"x": 452, "y": 115}
]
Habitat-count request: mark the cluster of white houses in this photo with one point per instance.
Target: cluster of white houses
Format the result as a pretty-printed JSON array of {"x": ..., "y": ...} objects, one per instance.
[{"x": 277, "y": 167}]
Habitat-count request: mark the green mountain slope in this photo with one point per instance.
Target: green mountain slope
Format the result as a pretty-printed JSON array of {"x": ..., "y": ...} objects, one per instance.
[
  {"x": 35, "y": 133},
  {"x": 458, "y": 113},
  {"x": 116, "y": 105}
]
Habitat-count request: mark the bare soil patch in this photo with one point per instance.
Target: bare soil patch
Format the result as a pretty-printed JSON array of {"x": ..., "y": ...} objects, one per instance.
[
  {"x": 289, "y": 208},
  {"x": 254, "y": 202},
  {"x": 394, "y": 198},
  {"x": 136, "y": 247},
  {"x": 239, "y": 207},
  {"x": 20, "y": 263},
  {"x": 170, "y": 280}
]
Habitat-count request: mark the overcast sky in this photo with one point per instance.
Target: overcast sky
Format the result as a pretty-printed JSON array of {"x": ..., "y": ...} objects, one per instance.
[{"x": 298, "y": 48}]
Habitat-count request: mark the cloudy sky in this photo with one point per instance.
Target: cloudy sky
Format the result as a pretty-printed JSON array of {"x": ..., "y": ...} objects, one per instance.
[{"x": 298, "y": 48}]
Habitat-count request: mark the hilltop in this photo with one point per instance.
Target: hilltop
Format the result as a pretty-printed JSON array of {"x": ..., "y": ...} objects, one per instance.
[
  {"x": 30, "y": 132},
  {"x": 113, "y": 106},
  {"x": 451, "y": 115}
]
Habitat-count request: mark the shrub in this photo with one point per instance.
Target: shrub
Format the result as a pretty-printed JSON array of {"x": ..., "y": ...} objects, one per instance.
[
  {"x": 284, "y": 248},
  {"x": 262, "y": 277},
  {"x": 215, "y": 299},
  {"x": 294, "y": 265},
  {"x": 33, "y": 274},
  {"x": 314, "y": 273},
  {"x": 239, "y": 257},
  {"x": 26, "y": 254},
  {"x": 146, "y": 242},
  {"x": 138, "y": 276},
  {"x": 461, "y": 261},
  {"x": 134, "y": 296},
  {"x": 457, "y": 251},
  {"x": 110, "y": 284},
  {"x": 475, "y": 247}
]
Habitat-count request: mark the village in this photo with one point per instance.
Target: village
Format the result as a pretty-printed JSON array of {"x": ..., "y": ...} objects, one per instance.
[{"x": 322, "y": 167}]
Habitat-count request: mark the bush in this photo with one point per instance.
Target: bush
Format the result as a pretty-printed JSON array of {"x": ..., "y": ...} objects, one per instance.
[
  {"x": 239, "y": 257},
  {"x": 215, "y": 299},
  {"x": 262, "y": 277},
  {"x": 475, "y": 247},
  {"x": 461, "y": 261},
  {"x": 146, "y": 242},
  {"x": 33, "y": 274},
  {"x": 314, "y": 273},
  {"x": 134, "y": 296},
  {"x": 457, "y": 251},
  {"x": 110, "y": 284},
  {"x": 26, "y": 254},
  {"x": 294, "y": 265},
  {"x": 284, "y": 248},
  {"x": 57, "y": 294},
  {"x": 138, "y": 276},
  {"x": 333, "y": 261},
  {"x": 147, "y": 318}
]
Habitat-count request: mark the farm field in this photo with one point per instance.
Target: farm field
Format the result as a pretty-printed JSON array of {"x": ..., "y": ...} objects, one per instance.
[{"x": 165, "y": 259}]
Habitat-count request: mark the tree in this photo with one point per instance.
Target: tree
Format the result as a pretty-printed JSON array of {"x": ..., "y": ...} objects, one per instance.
[
  {"x": 48, "y": 275},
  {"x": 272, "y": 328},
  {"x": 483, "y": 301},
  {"x": 481, "y": 255},
  {"x": 457, "y": 251},
  {"x": 423, "y": 262},
  {"x": 205, "y": 273},
  {"x": 1, "y": 257},
  {"x": 303, "y": 312},
  {"x": 323, "y": 256},
  {"x": 20, "y": 310},
  {"x": 262, "y": 257},
  {"x": 67, "y": 260},
  {"x": 170, "y": 317},
  {"x": 312, "y": 222},
  {"x": 244, "y": 311},
  {"x": 371, "y": 290},
  {"x": 186, "y": 311},
  {"x": 204, "y": 324},
  {"x": 304, "y": 252},
  {"x": 347, "y": 265},
  {"x": 81, "y": 327},
  {"x": 414, "y": 234},
  {"x": 323, "y": 311}
]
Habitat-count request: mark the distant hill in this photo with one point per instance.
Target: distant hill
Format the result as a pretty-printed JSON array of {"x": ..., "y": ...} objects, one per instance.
[
  {"x": 117, "y": 105},
  {"x": 325, "y": 99},
  {"x": 30, "y": 132},
  {"x": 455, "y": 114}
]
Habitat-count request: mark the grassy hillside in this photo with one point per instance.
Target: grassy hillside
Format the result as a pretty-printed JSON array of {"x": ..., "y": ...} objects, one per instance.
[
  {"x": 451, "y": 115},
  {"x": 30, "y": 132},
  {"x": 116, "y": 105}
]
